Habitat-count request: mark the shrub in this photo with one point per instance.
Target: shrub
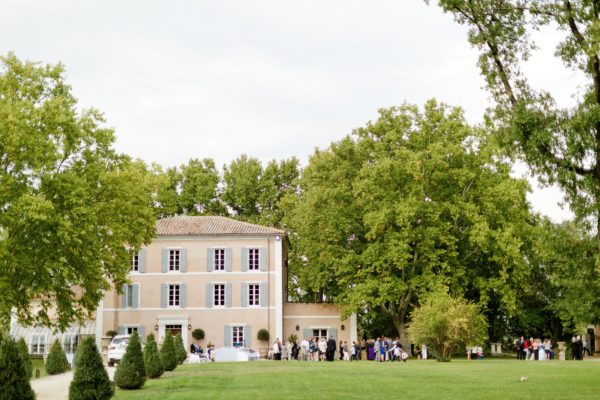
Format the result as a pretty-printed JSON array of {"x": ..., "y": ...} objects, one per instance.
[
  {"x": 27, "y": 360},
  {"x": 131, "y": 373},
  {"x": 198, "y": 334},
  {"x": 152, "y": 363},
  {"x": 90, "y": 380},
  {"x": 263, "y": 335},
  {"x": 180, "y": 349},
  {"x": 168, "y": 356},
  {"x": 445, "y": 324},
  {"x": 56, "y": 363},
  {"x": 14, "y": 382},
  {"x": 112, "y": 334},
  {"x": 293, "y": 338}
]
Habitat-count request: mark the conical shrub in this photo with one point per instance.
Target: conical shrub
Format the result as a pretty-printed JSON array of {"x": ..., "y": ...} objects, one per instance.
[
  {"x": 90, "y": 380},
  {"x": 168, "y": 356},
  {"x": 131, "y": 373},
  {"x": 152, "y": 362},
  {"x": 56, "y": 363},
  {"x": 14, "y": 382},
  {"x": 180, "y": 349},
  {"x": 26, "y": 358}
]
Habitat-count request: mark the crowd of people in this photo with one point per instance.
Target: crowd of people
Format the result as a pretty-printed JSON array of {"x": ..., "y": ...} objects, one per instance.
[
  {"x": 538, "y": 349},
  {"x": 323, "y": 349}
]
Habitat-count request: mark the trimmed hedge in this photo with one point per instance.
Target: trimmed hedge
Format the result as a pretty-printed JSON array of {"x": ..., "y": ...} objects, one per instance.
[
  {"x": 131, "y": 373},
  {"x": 90, "y": 380},
  {"x": 263, "y": 335},
  {"x": 14, "y": 382},
  {"x": 152, "y": 362},
  {"x": 26, "y": 358},
  {"x": 168, "y": 355},
  {"x": 198, "y": 334},
  {"x": 180, "y": 349},
  {"x": 56, "y": 363}
]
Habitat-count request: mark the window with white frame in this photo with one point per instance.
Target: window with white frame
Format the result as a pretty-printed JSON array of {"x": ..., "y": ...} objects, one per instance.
[
  {"x": 254, "y": 294},
  {"x": 135, "y": 262},
  {"x": 38, "y": 344},
  {"x": 219, "y": 295},
  {"x": 237, "y": 336},
  {"x": 174, "y": 258},
  {"x": 219, "y": 261},
  {"x": 70, "y": 343},
  {"x": 253, "y": 260},
  {"x": 131, "y": 329},
  {"x": 173, "y": 295},
  {"x": 128, "y": 295},
  {"x": 320, "y": 333}
]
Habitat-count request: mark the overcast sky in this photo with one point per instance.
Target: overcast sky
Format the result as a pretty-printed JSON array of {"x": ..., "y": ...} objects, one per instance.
[{"x": 271, "y": 79}]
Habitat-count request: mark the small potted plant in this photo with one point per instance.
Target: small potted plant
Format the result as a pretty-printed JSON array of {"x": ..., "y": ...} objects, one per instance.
[{"x": 263, "y": 336}]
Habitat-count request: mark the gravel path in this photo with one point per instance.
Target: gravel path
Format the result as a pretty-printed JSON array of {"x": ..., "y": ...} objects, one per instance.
[{"x": 56, "y": 387}]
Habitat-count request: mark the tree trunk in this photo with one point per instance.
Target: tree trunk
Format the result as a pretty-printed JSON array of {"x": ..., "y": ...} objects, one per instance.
[{"x": 399, "y": 320}]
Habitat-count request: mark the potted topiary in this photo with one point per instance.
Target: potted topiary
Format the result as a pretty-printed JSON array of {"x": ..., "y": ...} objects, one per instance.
[
  {"x": 263, "y": 336},
  {"x": 198, "y": 334}
]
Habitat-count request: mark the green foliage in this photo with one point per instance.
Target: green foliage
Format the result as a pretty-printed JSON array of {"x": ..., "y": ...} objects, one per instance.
[
  {"x": 293, "y": 338},
  {"x": 152, "y": 362},
  {"x": 263, "y": 335},
  {"x": 24, "y": 350},
  {"x": 14, "y": 382},
  {"x": 111, "y": 334},
  {"x": 445, "y": 324},
  {"x": 61, "y": 183},
  {"x": 412, "y": 200},
  {"x": 90, "y": 379},
  {"x": 180, "y": 350},
  {"x": 56, "y": 363},
  {"x": 131, "y": 373},
  {"x": 168, "y": 353},
  {"x": 198, "y": 334}
]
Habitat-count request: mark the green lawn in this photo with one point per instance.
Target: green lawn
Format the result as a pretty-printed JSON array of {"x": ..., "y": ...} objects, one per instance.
[
  {"x": 38, "y": 363},
  {"x": 459, "y": 379}
]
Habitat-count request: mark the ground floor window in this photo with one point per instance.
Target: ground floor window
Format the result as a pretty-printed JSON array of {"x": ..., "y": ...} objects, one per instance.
[
  {"x": 38, "y": 344},
  {"x": 320, "y": 333},
  {"x": 131, "y": 329},
  {"x": 70, "y": 343},
  {"x": 237, "y": 336}
]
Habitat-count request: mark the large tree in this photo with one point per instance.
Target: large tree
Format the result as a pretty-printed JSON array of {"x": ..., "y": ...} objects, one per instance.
[
  {"x": 561, "y": 145},
  {"x": 71, "y": 208},
  {"x": 412, "y": 200}
]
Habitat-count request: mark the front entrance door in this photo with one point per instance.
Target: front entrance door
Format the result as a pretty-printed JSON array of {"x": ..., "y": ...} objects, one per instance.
[{"x": 173, "y": 329}]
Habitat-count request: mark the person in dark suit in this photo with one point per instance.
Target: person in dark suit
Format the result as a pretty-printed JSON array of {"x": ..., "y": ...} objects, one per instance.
[{"x": 330, "y": 349}]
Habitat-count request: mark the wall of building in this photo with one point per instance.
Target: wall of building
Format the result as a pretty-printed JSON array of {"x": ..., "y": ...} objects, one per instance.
[{"x": 299, "y": 318}]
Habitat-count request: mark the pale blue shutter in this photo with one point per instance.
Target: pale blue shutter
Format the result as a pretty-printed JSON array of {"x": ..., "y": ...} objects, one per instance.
[
  {"x": 263, "y": 295},
  {"x": 247, "y": 336},
  {"x": 308, "y": 333},
  {"x": 228, "y": 260},
  {"x": 141, "y": 333},
  {"x": 228, "y": 295},
  {"x": 183, "y": 295},
  {"x": 124, "y": 297},
  {"x": 210, "y": 260},
  {"x": 262, "y": 258},
  {"x": 164, "y": 295},
  {"x": 183, "y": 260},
  {"x": 122, "y": 330},
  {"x": 135, "y": 296},
  {"x": 209, "y": 295},
  {"x": 244, "y": 294},
  {"x": 142, "y": 260},
  {"x": 227, "y": 338},
  {"x": 165, "y": 260},
  {"x": 245, "y": 258},
  {"x": 332, "y": 332}
]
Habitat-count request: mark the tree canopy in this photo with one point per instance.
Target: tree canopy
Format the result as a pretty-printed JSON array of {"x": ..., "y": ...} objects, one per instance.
[{"x": 71, "y": 208}]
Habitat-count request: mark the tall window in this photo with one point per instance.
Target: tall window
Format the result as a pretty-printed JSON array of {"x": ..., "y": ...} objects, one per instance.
[
  {"x": 70, "y": 343},
  {"x": 219, "y": 295},
  {"x": 237, "y": 333},
  {"x": 219, "y": 259},
  {"x": 135, "y": 262},
  {"x": 38, "y": 344},
  {"x": 174, "y": 260},
  {"x": 254, "y": 295},
  {"x": 253, "y": 260},
  {"x": 173, "y": 295},
  {"x": 131, "y": 329},
  {"x": 320, "y": 333},
  {"x": 128, "y": 295}
]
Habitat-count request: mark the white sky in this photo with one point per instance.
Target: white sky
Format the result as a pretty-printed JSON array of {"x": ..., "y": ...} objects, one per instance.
[{"x": 271, "y": 79}]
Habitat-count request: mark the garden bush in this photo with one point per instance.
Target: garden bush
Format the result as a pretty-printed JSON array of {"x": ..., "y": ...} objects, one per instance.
[
  {"x": 90, "y": 380},
  {"x": 131, "y": 373},
  {"x": 263, "y": 335},
  {"x": 152, "y": 362},
  {"x": 56, "y": 363},
  {"x": 180, "y": 349},
  {"x": 111, "y": 334},
  {"x": 168, "y": 356},
  {"x": 198, "y": 334},
  {"x": 26, "y": 358},
  {"x": 14, "y": 382}
]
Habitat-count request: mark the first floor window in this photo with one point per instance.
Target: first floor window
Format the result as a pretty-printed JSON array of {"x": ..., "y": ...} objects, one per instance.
[
  {"x": 238, "y": 336},
  {"x": 38, "y": 344},
  {"x": 254, "y": 295},
  {"x": 128, "y": 294},
  {"x": 253, "y": 260},
  {"x": 173, "y": 295},
  {"x": 135, "y": 262},
  {"x": 70, "y": 343},
  {"x": 219, "y": 295},
  {"x": 320, "y": 333},
  {"x": 219, "y": 261},
  {"x": 174, "y": 260}
]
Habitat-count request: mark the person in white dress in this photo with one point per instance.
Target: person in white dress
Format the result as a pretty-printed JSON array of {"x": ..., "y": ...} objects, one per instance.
[{"x": 424, "y": 352}]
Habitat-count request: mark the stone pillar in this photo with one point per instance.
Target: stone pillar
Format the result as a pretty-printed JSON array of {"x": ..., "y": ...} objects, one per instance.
[
  {"x": 561, "y": 351},
  {"x": 496, "y": 348}
]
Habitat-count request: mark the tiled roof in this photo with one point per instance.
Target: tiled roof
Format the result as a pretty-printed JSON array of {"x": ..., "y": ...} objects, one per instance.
[{"x": 210, "y": 226}]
